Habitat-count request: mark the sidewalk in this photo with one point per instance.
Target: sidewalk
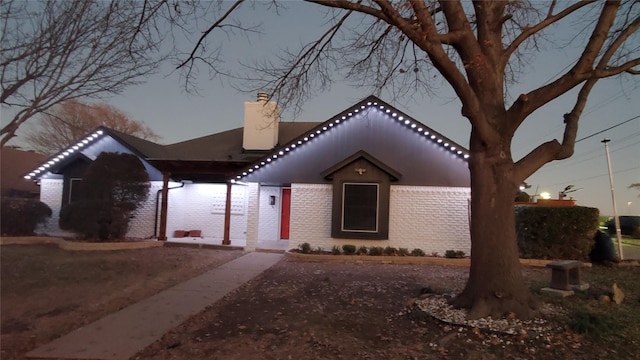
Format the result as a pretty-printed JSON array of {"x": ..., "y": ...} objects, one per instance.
[{"x": 121, "y": 335}]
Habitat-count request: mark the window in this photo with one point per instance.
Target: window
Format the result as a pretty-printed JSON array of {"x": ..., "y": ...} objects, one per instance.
[
  {"x": 75, "y": 190},
  {"x": 360, "y": 207}
]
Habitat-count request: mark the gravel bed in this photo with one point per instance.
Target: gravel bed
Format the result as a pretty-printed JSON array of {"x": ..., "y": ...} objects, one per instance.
[{"x": 438, "y": 307}]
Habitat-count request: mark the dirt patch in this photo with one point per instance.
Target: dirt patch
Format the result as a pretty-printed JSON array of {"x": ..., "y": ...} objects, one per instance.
[
  {"x": 357, "y": 311},
  {"x": 47, "y": 292}
]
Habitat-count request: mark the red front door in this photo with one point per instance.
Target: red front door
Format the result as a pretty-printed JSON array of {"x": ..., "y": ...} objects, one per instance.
[{"x": 285, "y": 214}]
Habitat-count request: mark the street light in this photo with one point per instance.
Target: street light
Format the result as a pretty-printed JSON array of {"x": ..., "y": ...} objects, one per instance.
[{"x": 613, "y": 199}]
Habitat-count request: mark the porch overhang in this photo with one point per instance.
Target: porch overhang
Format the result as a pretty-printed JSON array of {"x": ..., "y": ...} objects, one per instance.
[{"x": 199, "y": 170}]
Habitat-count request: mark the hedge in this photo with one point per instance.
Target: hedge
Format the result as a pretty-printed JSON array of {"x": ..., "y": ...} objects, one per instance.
[
  {"x": 21, "y": 216},
  {"x": 553, "y": 232}
]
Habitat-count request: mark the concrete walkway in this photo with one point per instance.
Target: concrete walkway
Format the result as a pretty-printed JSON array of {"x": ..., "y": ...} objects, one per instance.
[{"x": 121, "y": 335}]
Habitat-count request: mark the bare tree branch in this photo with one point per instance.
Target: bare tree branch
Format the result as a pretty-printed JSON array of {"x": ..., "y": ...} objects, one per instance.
[
  {"x": 532, "y": 30},
  {"x": 53, "y": 51},
  {"x": 206, "y": 33}
]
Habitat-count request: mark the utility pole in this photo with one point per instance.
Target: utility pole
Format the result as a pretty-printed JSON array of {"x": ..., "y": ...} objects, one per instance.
[{"x": 613, "y": 199}]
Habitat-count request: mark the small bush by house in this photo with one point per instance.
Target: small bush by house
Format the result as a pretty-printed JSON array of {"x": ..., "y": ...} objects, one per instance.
[
  {"x": 21, "y": 216},
  {"x": 95, "y": 220},
  {"x": 113, "y": 187}
]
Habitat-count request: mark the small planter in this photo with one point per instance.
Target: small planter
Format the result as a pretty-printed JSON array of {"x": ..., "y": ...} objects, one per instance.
[
  {"x": 555, "y": 202},
  {"x": 180, "y": 233}
]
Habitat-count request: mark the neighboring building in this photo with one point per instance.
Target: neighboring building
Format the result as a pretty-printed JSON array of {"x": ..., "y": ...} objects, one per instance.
[
  {"x": 370, "y": 175},
  {"x": 13, "y": 164}
]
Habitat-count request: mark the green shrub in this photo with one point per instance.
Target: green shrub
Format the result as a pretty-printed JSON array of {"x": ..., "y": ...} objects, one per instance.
[
  {"x": 349, "y": 249},
  {"x": 113, "y": 187},
  {"x": 376, "y": 251},
  {"x": 362, "y": 250},
  {"x": 389, "y": 250},
  {"x": 335, "y": 250},
  {"x": 120, "y": 179},
  {"x": 593, "y": 324},
  {"x": 548, "y": 232},
  {"x": 305, "y": 248},
  {"x": 522, "y": 196},
  {"x": 454, "y": 254},
  {"x": 95, "y": 220},
  {"x": 21, "y": 216},
  {"x": 417, "y": 252},
  {"x": 403, "y": 251},
  {"x": 434, "y": 254}
]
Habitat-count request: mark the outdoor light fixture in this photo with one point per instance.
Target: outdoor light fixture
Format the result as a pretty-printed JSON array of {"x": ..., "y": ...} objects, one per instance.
[
  {"x": 351, "y": 114},
  {"x": 272, "y": 200}
]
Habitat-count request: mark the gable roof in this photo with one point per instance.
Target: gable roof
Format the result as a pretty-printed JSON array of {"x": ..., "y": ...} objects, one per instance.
[
  {"x": 216, "y": 153},
  {"x": 335, "y": 122},
  {"x": 328, "y": 174},
  {"x": 222, "y": 154},
  {"x": 227, "y": 145}
]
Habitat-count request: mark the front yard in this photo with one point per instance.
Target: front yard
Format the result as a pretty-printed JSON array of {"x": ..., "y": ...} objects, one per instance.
[
  {"x": 47, "y": 292},
  {"x": 302, "y": 310}
]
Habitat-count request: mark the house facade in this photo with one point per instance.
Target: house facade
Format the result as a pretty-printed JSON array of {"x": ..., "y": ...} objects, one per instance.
[{"x": 370, "y": 176}]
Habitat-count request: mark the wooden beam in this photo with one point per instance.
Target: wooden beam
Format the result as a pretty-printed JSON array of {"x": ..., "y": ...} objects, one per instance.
[
  {"x": 162, "y": 234},
  {"x": 227, "y": 216}
]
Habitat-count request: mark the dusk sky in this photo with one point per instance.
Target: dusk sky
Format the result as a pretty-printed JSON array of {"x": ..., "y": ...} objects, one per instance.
[{"x": 163, "y": 105}]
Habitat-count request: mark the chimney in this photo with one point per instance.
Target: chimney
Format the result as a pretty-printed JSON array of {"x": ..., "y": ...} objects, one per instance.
[{"x": 261, "y": 119}]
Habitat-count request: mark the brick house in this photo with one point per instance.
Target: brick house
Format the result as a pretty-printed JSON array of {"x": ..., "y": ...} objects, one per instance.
[{"x": 370, "y": 176}]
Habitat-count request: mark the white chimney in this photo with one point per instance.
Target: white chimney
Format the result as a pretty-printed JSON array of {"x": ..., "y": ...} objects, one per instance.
[{"x": 261, "y": 119}]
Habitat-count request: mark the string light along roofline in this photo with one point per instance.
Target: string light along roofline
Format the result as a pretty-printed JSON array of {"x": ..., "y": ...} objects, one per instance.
[
  {"x": 348, "y": 115},
  {"x": 42, "y": 169}
]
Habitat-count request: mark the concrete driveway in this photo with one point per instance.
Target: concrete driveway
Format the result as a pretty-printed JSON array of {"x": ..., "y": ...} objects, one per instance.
[{"x": 629, "y": 251}]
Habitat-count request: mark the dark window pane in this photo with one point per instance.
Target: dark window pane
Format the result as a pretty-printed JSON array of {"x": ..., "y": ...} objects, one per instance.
[
  {"x": 75, "y": 190},
  {"x": 360, "y": 207}
]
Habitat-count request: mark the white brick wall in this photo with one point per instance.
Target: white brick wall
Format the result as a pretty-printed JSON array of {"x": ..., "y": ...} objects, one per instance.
[
  {"x": 434, "y": 219},
  {"x": 196, "y": 207},
  {"x": 311, "y": 216},
  {"x": 141, "y": 226},
  {"x": 51, "y": 194},
  {"x": 253, "y": 219}
]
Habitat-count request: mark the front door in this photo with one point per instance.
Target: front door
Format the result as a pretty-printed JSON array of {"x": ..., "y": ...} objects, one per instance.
[{"x": 285, "y": 214}]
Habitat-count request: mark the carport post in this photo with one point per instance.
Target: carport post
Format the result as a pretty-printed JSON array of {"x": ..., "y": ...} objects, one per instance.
[
  {"x": 227, "y": 216},
  {"x": 162, "y": 234}
]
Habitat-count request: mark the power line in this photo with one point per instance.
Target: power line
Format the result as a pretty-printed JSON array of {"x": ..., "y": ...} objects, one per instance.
[
  {"x": 609, "y": 128},
  {"x": 590, "y": 177}
]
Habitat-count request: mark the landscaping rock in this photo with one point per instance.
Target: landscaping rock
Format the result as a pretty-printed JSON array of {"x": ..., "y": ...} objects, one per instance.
[
  {"x": 618, "y": 295},
  {"x": 604, "y": 299}
]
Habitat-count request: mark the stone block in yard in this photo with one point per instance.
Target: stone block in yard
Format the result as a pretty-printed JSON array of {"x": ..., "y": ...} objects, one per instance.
[{"x": 618, "y": 295}]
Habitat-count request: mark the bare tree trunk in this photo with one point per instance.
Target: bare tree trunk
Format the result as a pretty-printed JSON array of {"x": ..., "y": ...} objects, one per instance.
[{"x": 495, "y": 286}]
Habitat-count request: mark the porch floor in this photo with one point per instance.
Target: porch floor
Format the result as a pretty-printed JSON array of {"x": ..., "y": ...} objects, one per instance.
[{"x": 280, "y": 245}]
